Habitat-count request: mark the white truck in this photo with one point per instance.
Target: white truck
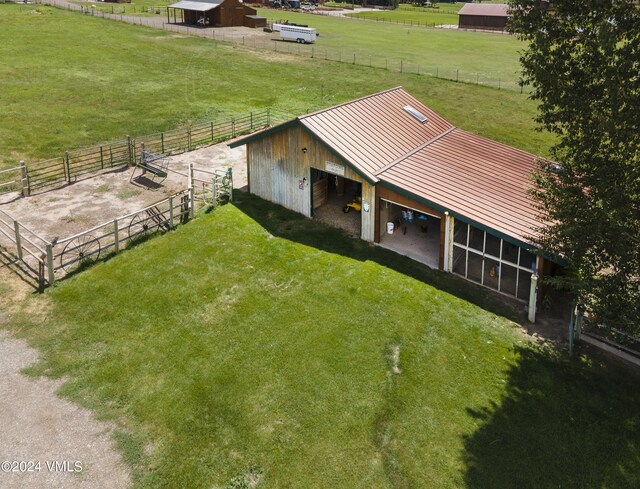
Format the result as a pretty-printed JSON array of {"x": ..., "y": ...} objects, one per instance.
[{"x": 302, "y": 35}]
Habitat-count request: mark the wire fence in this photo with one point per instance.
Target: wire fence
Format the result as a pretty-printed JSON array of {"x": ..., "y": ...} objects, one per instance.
[{"x": 316, "y": 52}]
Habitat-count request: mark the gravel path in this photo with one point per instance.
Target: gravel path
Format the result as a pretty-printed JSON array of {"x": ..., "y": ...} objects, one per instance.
[{"x": 73, "y": 449}]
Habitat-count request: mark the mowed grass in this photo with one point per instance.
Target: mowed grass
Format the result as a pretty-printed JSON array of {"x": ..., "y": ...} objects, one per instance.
[
  {"x": 416, "y": 16},
  {"x": 256, "y": 345},
  {"x": 70, "y": 80},
  {"x": 490, "y": 56}
]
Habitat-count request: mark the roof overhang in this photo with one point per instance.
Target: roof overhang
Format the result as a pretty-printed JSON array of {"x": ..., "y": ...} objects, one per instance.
[{"x": 197, "y": 6}]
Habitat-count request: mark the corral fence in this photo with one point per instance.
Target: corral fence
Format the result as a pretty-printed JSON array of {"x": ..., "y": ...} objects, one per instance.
[
  {"x": 74, "y": 164},
  {"x": 49, "y": 260},
  {"x": 354, "y": 57}
]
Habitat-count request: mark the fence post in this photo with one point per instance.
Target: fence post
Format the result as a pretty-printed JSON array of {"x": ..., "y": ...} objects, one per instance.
[
  {"x": 101, "y": 158},
  {"x": 116, "y": 236},
  {"x": 212, "y": 136},
  {"x": 189, "y": 139},
  {"x": 50, "y": 270},
  {"x": 312, "y": 51},
  {"x": 233, "y": 128},
  {"x": 162, "y": 142},
  {"x": 16, "y": 228},
  {"x": 230, "y": 172},
  {"x": 129, "y": 150},
  {"x": 24, "y": 179},
  {"x": 191, "y": 192},
  {"x": 268, "y": 116},
  {"x": 171, "y": 211},
  {"x": 66, "y": 165},
  {"x": 251, "y": 119}
]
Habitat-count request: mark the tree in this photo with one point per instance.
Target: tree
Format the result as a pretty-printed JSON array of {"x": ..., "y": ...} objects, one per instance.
[{"x": 583, "y": 64}]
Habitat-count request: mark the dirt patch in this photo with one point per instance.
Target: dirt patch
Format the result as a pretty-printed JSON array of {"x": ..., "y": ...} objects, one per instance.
[
  {"x": 59, "y": 444},
  {"x": 64, "y": 211}
]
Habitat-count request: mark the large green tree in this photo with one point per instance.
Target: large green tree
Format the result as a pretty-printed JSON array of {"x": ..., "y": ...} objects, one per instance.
[{"x": 583, "y": 65}]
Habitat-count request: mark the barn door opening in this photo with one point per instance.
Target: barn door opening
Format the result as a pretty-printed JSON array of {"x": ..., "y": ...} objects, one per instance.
[
  {"x": 410, "y": 232},
  {"x": 336, "y": 201}
]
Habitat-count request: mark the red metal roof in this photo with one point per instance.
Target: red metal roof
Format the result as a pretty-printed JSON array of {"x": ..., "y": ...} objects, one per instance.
[
  {"x": 471, "y": 177},
  {"x": 374, "y": 131},
  {"x": 485, "y": 9},
  {"x": 482, "y": 180}
]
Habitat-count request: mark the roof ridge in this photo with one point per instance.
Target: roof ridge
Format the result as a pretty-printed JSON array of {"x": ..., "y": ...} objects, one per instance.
[
  {"x": 414, "y": 151},
  {"x": 350, "y": 102}
]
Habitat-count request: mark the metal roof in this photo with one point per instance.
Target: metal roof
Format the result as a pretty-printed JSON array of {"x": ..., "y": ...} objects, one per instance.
[
  {"x": 197, "y": 6},
  {"x": 482, "y": 181},
  {"x": 485, "y": 9},
  {"x": 373, "y": 131}
]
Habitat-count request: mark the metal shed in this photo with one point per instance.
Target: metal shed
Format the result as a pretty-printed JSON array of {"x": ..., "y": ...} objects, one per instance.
[{"x": 484, "y": 16}]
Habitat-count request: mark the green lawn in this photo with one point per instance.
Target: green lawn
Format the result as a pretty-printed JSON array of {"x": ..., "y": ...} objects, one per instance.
[
  {"x": 254, "y": 343},
  {"x": 415, "y": 16},
  {"x": 70, "y": 80},
  {"x": 489, "y": 56}
]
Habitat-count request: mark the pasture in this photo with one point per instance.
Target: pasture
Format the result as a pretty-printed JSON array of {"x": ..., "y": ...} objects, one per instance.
[
  {"x": 71, "y": 80},
  {"x": 256, "y": 345}
]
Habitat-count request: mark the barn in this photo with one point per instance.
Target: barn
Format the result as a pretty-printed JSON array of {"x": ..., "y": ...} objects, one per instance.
[
  {"x": 484, "y": 16},
  {"x": 427, "y": 189},
  {"x": 214, "y": 13}
]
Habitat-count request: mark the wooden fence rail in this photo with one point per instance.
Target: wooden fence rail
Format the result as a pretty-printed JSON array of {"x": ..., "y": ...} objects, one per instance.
[{"x": 78, "y": 163}]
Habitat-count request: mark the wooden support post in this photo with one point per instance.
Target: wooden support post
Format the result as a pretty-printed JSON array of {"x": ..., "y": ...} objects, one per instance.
[
  {"x": 533, "y": 298},
  {"x": 16, "y": 229},
  {"x": 189, "y": 139},
  {"x": 447, "y": 228},
  {"x": 116, "y": 236},
  {"x": 162, "y": 142},
  {"x": 66, "y": 165},
  {"x": 171, "y": 211},
  {"x": 101, "y": 159},
  {"x": 50, "y": 270},
  {"x": 24, "y": 179}
]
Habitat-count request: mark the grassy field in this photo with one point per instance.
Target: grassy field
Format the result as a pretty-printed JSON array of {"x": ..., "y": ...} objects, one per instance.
[
  {"x": 70, "y": 80},
  {"x": 256, "y": 344},
  {"x": 492, "y": 56},
  {"x": 414, "y": 16}
]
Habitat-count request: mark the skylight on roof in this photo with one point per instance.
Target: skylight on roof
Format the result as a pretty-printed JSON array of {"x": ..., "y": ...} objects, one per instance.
[{"x": 416, "y": 113}]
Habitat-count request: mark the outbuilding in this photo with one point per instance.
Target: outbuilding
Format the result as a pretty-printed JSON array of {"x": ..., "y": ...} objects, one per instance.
[
  {"x": 483, "y": 16},
  {"x": 426, "y": 189},
  {"x": 214, "y": 13}
]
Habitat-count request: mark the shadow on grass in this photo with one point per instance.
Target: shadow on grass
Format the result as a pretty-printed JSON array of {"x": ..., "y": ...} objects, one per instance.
[
  {"x": 563, "y": 423},
  {"x": 290, "y": 225}
]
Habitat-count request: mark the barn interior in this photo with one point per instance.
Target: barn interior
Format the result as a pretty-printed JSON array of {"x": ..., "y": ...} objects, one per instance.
[
  {"x": 331, "y": 196},
  {"x": 410, "y": 232}
]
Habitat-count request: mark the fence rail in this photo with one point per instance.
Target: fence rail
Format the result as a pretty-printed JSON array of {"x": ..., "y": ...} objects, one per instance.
[
  {"x": 77, "y": 163},
  {"x": 46, "y": 259}
]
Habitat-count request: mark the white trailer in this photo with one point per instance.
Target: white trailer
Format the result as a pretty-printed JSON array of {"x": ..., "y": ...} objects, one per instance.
[{"x": 303, "y": 35}]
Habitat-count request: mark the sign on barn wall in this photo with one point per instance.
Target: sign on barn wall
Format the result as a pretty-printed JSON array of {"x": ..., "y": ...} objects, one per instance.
[{"x": 334, "y": 168}]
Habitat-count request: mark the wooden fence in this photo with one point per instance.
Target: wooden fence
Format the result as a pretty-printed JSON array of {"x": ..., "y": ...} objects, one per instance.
[
  {"x": 74, "y": 164},
  {"x": 47, "y": 260}
]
